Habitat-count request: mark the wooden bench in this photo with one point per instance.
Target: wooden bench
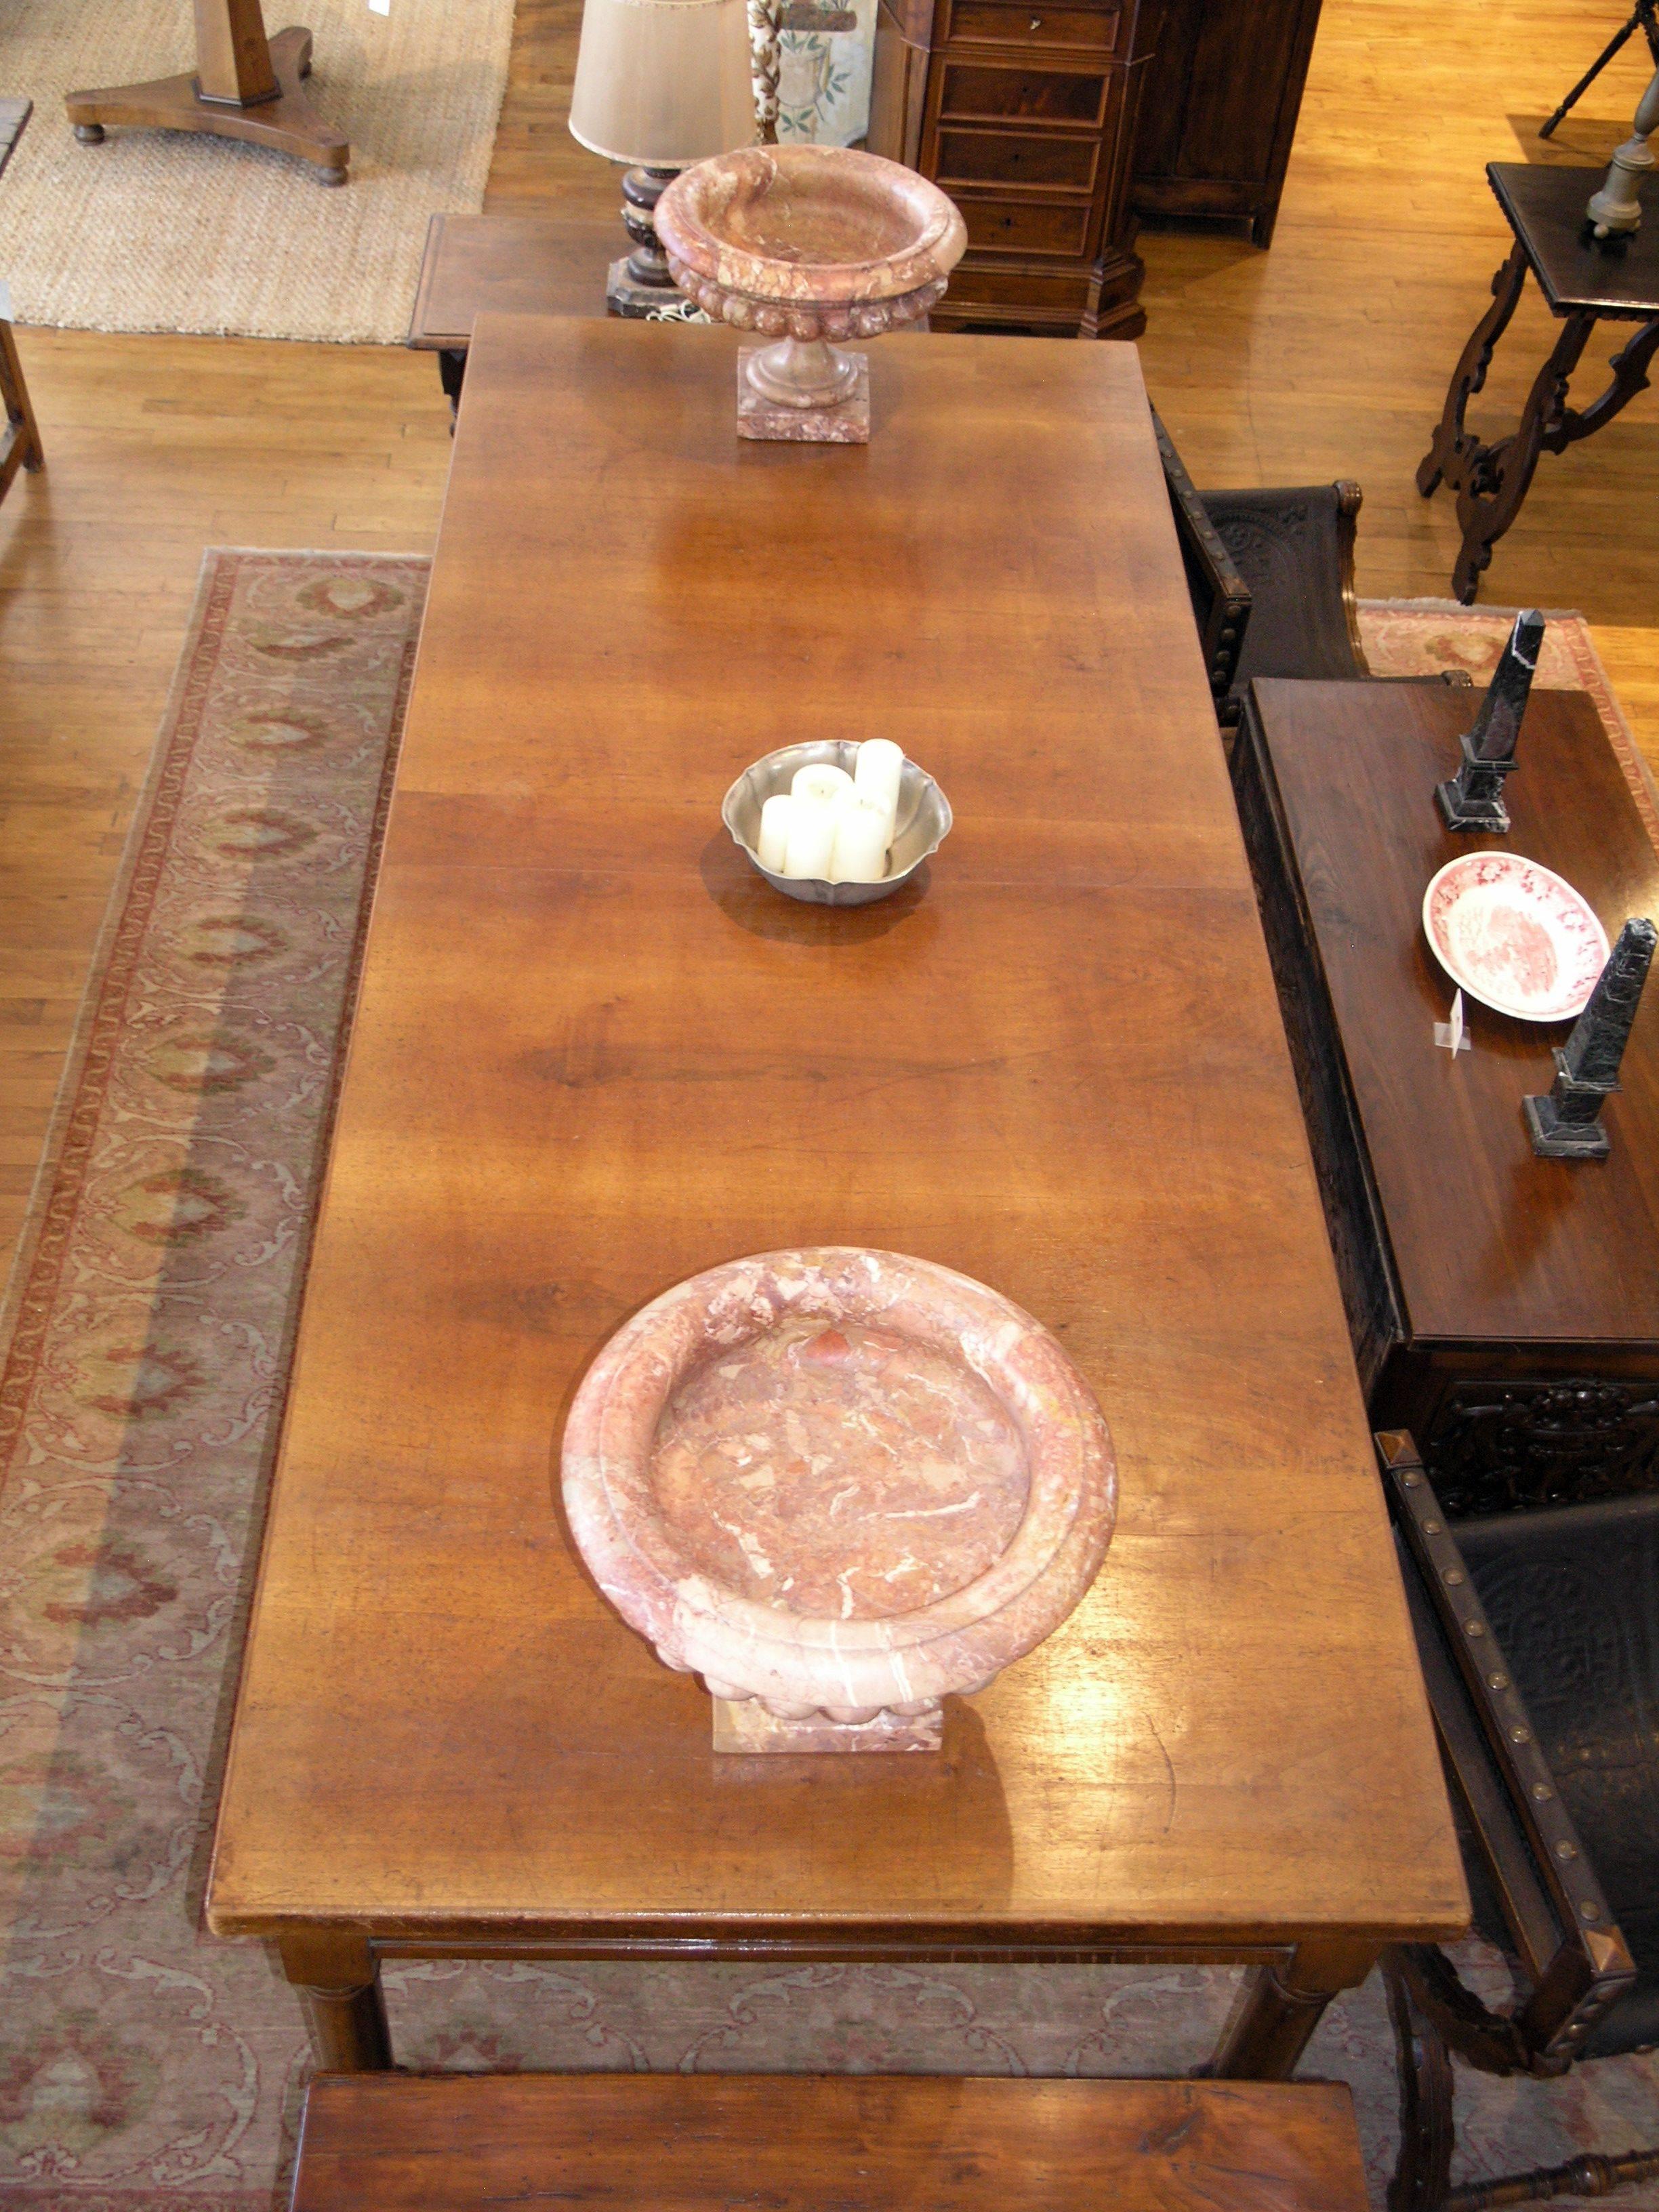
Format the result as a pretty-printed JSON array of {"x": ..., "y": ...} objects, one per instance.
[{"x": 706, "y": 2142}]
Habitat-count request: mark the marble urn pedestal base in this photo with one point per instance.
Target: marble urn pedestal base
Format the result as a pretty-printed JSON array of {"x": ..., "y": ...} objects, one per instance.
[
  {"x": 839, "y": 1484},
  {"x": 837, "y": 422}
]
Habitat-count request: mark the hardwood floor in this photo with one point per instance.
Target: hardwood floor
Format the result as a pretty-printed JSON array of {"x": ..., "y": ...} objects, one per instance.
[{"x": 1326, "y": 356}]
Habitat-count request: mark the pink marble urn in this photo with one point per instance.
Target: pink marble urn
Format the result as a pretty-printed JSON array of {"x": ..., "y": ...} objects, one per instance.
[
  {"x": 804, "y": 245},
  {"x": 838, "y": 1485}
]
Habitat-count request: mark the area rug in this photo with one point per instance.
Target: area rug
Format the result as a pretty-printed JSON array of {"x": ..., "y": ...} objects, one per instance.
[
  {"x": 1408, "y": 637},
  {"x": 168, "y": 231},
  {"x": 143, "y": 2067}
]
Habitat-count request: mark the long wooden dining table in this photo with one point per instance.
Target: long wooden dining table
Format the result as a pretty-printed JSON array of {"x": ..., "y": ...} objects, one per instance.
[{"x": 594, "y": 1052}]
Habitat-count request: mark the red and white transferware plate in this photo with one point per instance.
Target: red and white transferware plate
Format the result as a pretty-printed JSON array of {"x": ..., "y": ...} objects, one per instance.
[{"x": 1515, "y": 936}]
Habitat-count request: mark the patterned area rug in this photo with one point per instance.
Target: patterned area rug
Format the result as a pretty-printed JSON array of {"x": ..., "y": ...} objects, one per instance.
[
  {"x": 144, "y": 2068},
  {"x": 166, "y": 230}
]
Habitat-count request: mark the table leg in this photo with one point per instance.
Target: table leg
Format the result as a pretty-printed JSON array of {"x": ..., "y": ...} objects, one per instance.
[
  {"x": 338, "y": 1978},
  {"x": 22, "y": 447},
  {"x": 1630, "y": 375},
  {"x": 1282, "y": 2007},
  {"x": 452, "y": 374},
  {"x": 1501, "y": 474},
  {"x": 1453, "y": 449}
]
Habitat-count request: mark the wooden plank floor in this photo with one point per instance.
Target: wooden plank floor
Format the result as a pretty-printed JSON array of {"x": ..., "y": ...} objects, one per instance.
[{"x": 1326, "y": 356}]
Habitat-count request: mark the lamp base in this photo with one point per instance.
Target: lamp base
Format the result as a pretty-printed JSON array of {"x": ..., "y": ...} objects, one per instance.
[{"x": 625, "y": 295}]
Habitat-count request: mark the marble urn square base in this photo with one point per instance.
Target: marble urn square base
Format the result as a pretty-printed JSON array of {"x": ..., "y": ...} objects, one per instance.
[
  {"x": 748, "y": 1727},
  {"x": 846, "y": 425}
]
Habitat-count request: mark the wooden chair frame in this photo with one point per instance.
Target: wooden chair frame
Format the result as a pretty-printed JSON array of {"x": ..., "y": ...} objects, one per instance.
[
  {"x": 1574, "y": 1958},
  {"x": 1212, "y": 576}
]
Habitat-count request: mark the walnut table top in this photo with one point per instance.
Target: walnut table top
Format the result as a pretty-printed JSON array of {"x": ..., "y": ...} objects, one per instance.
[{"x": 595, "y": 1054}]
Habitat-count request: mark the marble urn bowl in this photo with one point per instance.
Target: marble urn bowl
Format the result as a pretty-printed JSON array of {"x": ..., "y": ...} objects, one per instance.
[
  {"x": 805, "y": 245},
  {"x": 838, "y": 1485}
]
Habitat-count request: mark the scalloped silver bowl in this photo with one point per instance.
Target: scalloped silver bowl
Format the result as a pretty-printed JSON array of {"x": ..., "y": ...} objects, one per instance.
[{"x": 923, "y": 820}]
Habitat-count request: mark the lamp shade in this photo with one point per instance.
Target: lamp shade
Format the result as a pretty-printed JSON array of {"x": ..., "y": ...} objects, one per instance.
[{"x": 662, "y": 83}]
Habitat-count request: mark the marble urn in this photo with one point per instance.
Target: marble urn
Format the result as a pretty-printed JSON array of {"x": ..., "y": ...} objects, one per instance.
[
  {"x": 807, "y": 245},
  {"x": 838, "y": 1485}
]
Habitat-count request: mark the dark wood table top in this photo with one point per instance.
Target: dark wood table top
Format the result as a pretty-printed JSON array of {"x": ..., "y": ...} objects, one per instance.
[
  {"x": 1545, "y": 210},
  {"x": 1488, "y": 1240},
  {"x": 594, "y": 1052},
  {"x": 516, "y": 264},
  {"x": 704, "y": 2142}
]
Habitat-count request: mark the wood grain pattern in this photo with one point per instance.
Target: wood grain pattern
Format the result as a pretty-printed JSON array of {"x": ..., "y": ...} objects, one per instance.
[
  {"x": 794, "y": 2142},
  {"x": 595, "y": 1053}
]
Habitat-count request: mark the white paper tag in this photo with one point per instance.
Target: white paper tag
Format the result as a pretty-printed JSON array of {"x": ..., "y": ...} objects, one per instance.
[
  {"x": 380, "y": 7},
  {"x": 5, "y": 300},
  {"x": 1448, "y": 1035}
]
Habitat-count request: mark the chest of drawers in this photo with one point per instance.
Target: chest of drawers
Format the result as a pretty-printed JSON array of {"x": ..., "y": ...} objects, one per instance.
[{"x": 1025, "y": 114}]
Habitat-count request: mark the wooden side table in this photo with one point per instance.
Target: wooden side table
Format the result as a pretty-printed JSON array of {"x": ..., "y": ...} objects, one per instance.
[
  {"x": 1504, "y": 1307},
  {"x": 516, "y": 264},
  {"x": 704, "y": 2142},
  {"x": 20, "y": 442},
  {"x": 1582, "y": 284}
]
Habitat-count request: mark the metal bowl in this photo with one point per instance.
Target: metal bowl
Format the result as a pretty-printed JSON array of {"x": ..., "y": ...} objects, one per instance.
[{"x": 923, "y": 820}]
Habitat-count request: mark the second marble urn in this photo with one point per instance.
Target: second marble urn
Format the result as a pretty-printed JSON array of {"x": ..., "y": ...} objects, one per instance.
[{"x": 839, "y": 1484}]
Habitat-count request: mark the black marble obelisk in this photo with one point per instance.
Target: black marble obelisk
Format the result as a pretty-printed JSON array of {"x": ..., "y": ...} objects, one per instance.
[
  {"x": 1474, "y": 797},
  {"x": 1564, "y": 1125}
]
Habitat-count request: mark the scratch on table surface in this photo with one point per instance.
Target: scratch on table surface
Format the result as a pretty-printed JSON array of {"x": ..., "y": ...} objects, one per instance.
[{"x": 1168, "y": 1769}]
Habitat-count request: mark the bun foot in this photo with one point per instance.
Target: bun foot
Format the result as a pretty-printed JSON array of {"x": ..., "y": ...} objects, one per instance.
[{"x": 90, "y": 134}]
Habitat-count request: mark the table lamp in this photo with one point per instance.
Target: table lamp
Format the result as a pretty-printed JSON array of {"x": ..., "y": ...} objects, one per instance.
[{"x": 660, "y": 84}]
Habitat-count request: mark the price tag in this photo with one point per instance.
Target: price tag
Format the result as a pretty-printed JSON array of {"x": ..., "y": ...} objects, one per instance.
[
  {"x": 1448, "y": 1035},
  {"x": 380, "y": 7}
]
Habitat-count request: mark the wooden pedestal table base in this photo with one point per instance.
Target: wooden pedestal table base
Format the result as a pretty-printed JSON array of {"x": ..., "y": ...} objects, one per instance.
[{"x": 245, "y": 86}]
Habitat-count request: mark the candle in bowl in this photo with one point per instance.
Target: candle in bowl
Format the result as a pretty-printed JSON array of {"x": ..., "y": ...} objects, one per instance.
[
  {"x": 811, "y": 840},
  {"x": 773, "y": 844},
  {"x": 820, "y": 780},
  {"x": 864, "y": 829},
  {"x": 876, "y": 773}
]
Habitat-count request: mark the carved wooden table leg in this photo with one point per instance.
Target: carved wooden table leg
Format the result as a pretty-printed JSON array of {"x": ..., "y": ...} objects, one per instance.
[
  {"x": 337, "y": 1977},
  {"x": 245, "y": 86},
  {"x": 1453, "y": 447},
  {"x": 1282, "y": 2005},
  {"x": 1630, "y": 375},
  {"x": 1499, "y": 476}
]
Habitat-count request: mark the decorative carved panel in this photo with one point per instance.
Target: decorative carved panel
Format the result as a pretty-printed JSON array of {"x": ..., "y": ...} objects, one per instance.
[{"x": 1511, "y": 1447}]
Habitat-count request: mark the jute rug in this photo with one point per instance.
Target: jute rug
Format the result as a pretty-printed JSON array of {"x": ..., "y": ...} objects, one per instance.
[
  {"x": 168, "y": 231},
  {"x": 144, "y": 2068}
]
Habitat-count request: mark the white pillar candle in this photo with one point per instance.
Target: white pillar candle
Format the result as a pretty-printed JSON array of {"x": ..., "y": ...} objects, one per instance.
[
  {"x": 820, "y": 782},
  {"x": 876, "y": 773},
  {"x": 775, "y": 816},
  {"x": 811, "y": 839},
  {"x": 864, "y": 829}
]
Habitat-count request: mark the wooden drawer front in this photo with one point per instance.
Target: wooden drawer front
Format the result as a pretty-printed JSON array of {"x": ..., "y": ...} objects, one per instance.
[
  {"x": 1025, "y": 226},
  {"x": 998, "y": 22},
  {"x": 1006, "y": 157},
  {"x": 1023, "y": 95}
]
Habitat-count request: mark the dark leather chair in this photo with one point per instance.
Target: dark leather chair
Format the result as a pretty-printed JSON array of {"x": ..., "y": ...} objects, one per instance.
[
  {"x": 1539, "y": 1633},
  {"x": 1271, "y": 577}
]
